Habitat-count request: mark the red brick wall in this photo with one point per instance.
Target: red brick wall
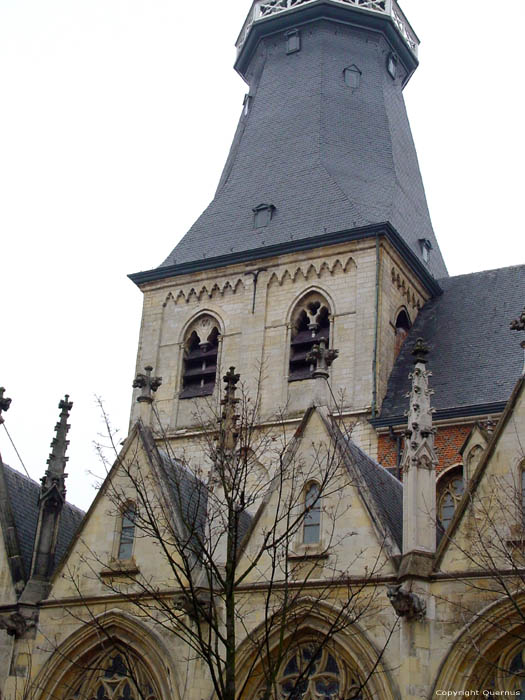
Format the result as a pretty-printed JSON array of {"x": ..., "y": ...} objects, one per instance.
[{"x": 448, "y": 442}]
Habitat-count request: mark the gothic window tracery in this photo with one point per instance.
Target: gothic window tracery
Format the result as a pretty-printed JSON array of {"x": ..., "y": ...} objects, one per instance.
[
  {"x": 450, "y": 492},
  {"x": 310, "y": 323},
  {"x": 509, "y": 676},
  {"x": 310, "y": 673},
  {"x": 201, "y": 348},
  {"x": 117, "y": 678}
]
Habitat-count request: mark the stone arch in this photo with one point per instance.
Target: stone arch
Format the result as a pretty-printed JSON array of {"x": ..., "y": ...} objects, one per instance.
[
  {"x": 402, "y": 325},
  {"x": 316, "y": 619},
  {"x": 310, "y": 323},
  {"x": 200, "y": 344},
  {"x": 207, "y": 311},
  {"x": 114, "y": 629},
  {"x": 312, "y": 289},
  {"x": 496, "y": 631}
]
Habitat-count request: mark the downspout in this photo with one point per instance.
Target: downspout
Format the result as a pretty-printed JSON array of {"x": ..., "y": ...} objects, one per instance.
[{"x": 376, "y": 333}]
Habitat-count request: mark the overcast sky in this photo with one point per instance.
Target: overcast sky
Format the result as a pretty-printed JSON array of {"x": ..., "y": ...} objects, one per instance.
[{"x": 115, "y": 121}]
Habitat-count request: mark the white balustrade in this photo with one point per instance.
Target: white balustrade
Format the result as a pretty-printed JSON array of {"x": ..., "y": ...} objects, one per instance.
[{"x": 265, "y": 8}]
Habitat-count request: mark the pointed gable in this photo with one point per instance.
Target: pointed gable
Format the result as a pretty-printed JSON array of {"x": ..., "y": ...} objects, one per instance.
[
  {"x": 363, "y": 497},
  {"x": 500, "y": 460}
]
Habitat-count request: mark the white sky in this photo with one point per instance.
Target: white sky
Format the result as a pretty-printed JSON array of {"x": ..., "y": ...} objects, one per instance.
[{"x": 115, "y": 123}]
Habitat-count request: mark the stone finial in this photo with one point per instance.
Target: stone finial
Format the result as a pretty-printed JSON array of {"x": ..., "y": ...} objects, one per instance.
[
  {"x": 4, "y": 403},
  {"x": 147, "y": 384},
  {"x": 55, "y": 474},
  {"x": 229, "y": 418},
  {"x": 322, "y": 357},
  {"x": 519, "y": 323},
  {"x": 420, "y": 351},
  {"x": 419, "y": 443}
]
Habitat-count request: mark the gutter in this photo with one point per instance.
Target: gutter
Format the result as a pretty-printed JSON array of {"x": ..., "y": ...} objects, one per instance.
[
  {"x": 325, "y": 239},
  {"x": 471, "y": 411}
]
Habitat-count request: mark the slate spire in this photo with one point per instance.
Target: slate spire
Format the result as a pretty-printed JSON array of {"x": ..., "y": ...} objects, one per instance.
[{"x": 323, "y": 140}]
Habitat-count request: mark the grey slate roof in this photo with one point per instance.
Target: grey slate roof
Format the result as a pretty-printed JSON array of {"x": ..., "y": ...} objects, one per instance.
[
  {"x": 327, "y": 157},
  {"x": 384, "y": 488},
  {"x": 23, "y": 497},
  {"x": 189, "y": 496},
  {"x": 474, "y": 357}
]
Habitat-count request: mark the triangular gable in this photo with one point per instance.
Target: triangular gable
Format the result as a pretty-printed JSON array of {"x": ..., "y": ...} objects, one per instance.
[
  {"x": 472, "y": 449},
  {"x": 176, "y": 499},
  {"x": 363, "y": 514},
  {"x": 516, "y": 400}
]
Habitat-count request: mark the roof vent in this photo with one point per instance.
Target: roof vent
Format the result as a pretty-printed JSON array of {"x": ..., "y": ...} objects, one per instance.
[{"x": 262, "y": 215}]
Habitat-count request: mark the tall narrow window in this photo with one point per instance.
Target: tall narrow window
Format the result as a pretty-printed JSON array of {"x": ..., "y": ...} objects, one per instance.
[
  {"x": 310, "y": 323},
  {"x": 127, "y": 532},
  {"x": 450, "y": 492},
  {"x": 312, "y": 518},
  {"x": 402, "y": 328},
  {"x": 200, "y": 358}
]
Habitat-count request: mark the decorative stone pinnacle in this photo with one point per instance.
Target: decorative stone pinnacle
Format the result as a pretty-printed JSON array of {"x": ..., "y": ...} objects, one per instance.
[
  {"x": 519, "y": 323},
  {"x": 419, "y": 442},
  {"x": 55, "y": 474},
  {"x": 147, "y": 384},
  {"x": 420, "y": 351},
  {"x": 4, "y": 403},
  {"x": 229, "y": 433},
  {"x": 322, "y": 357}
]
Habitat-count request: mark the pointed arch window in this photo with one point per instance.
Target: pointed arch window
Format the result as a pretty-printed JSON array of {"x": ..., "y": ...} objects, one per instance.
[
  {"x": 201, "y": 348},
  {"x": 450, "y": 492},
  {"x": 313, "y": 673},
  {"x": 127, "y": 531},
  {"x": 310, "y": 323},
  {"x": 117, "y": 677},
  {"x": 402, "y": 327},
  {"x": 312, "y": 518}
]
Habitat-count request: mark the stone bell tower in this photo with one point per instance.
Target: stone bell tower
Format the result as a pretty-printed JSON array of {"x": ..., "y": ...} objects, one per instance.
[{"x": 319, "y": 228}]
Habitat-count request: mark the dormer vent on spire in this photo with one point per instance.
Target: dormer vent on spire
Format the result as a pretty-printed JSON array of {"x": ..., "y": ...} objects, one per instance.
[
  {"x": 262, "y": 215},
  {"x": 264, "y": 9}
]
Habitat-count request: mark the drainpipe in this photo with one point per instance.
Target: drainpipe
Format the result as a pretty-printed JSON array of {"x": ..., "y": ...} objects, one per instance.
[{"x": 376, "y": 332}]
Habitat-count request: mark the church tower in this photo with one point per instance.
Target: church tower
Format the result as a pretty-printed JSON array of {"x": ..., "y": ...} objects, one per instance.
[{"x": 319, "y": 228}]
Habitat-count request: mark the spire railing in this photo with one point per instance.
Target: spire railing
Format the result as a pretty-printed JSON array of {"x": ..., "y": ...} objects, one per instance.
[{"x": 266, "y": 8}]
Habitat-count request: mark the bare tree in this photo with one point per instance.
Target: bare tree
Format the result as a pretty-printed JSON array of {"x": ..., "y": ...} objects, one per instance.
[
  {"x": 487, "y": 535},
  {"x": 231, "y": 531}
]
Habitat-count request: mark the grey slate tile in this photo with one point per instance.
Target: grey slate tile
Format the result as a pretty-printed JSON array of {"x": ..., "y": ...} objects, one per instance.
[
  {"x": 474, "y": 357},
  {"x": 329, "y": 159}
]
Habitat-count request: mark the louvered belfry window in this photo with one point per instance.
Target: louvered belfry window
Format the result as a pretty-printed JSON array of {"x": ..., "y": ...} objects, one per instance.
[
  {"x": 311, "y": 322},
  {"x": 200, "y": 359}
]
